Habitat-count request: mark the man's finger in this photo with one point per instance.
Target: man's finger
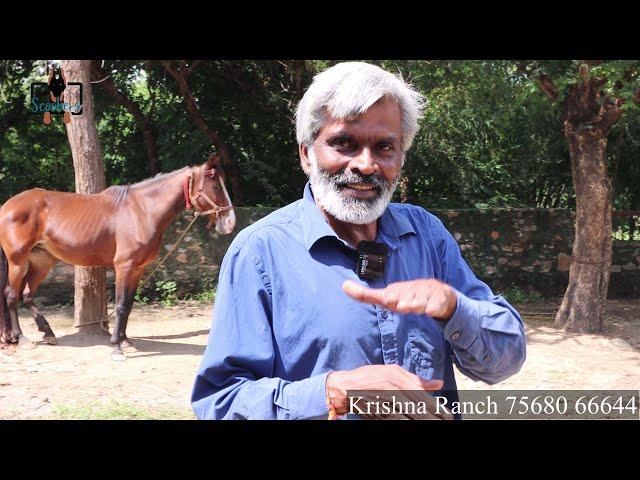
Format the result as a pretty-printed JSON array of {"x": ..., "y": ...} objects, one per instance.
[
  {"x": 431, "y": 385},
  {"x": 364, "y": 294}
]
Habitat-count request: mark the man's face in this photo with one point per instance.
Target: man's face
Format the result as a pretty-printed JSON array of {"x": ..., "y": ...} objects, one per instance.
[{"x": 355, "y": 164}]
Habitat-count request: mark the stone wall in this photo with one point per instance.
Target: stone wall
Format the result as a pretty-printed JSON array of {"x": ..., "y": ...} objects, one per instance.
[{"x": 529, "y": 248}]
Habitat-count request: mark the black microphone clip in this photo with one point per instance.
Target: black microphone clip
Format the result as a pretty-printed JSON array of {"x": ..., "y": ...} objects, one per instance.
[{"x": 372, "y": 257}]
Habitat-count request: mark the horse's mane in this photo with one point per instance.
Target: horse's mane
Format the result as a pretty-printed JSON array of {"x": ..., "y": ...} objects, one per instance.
[
  {"x": 119, "y": 193},
  {"x": 158, "y": 177}
]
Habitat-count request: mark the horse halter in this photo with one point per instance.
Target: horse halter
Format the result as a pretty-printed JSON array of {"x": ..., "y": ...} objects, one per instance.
[{"x": 190, "y": 198}]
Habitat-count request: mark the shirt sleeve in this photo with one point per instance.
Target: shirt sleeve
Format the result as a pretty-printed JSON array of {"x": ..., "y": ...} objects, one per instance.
[
  {"x": 235, "y": 379},
  {"x": 486, "y": 332}
]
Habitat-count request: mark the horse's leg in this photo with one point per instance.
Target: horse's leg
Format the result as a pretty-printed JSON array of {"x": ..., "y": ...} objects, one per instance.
[
  {"x": 132, "y": 287},
  {"x": 40, "y": 264},
  {"x": 126, "y": 285},
  {"x": 17, "y": 271}
]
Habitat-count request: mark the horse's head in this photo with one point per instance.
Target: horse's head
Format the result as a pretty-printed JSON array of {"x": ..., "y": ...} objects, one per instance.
[{"x": 208, "y": 195}]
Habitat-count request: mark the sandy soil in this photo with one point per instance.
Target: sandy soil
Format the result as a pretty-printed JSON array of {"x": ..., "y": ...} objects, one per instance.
[{"x": 171, "y": 340}]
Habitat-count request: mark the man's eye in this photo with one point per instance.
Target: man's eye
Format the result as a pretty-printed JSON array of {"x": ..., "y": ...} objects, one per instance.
[
  {"x": 341, "y": 142},
  {"x": 385, "y": 147}
]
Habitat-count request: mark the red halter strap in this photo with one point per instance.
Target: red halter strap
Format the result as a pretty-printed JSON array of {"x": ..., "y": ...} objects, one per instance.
[{"x": 189, "y": 197}]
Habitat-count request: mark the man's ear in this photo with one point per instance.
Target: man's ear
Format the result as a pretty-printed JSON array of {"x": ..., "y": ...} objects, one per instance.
[{"x": 303, "y": 150}]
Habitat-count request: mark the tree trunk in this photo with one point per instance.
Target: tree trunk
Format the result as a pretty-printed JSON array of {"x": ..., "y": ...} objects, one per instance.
[
  {"x": 584, "y": 302},
  {"x": 90, "y": 300},
  {"x": 588, "y": 115}
]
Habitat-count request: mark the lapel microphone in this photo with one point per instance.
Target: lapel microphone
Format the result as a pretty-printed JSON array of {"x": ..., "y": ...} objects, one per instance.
[{"x": 372, "y": 257}]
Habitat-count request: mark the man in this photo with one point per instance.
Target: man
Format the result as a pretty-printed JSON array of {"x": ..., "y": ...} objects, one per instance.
[{"x": 295, "y": 326}]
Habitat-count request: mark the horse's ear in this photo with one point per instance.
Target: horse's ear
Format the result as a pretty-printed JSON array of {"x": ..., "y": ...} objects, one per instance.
[{"x": 213, "y": 161}]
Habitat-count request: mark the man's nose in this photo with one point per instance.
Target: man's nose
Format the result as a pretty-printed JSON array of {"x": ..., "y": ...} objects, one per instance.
[{"x": 364, "y": 162}]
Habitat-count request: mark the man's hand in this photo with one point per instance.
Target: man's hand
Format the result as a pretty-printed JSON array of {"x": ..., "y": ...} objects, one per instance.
[
  {"x": 377, "y": 378},
  {"x": 425, "y": 296}
]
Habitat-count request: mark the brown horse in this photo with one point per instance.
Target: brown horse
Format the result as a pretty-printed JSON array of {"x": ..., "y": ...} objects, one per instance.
[{"x": 121, "y": 227}]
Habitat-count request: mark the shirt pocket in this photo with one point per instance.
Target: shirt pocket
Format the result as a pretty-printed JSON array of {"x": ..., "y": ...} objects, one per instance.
[{"x": 424, "y": 351}]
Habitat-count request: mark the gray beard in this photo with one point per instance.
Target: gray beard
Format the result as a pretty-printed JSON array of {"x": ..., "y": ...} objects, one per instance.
[{"x": 327, "y": 191}]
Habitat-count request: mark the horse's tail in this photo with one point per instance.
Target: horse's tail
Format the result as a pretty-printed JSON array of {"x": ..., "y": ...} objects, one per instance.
[{"x": 5, "y": 321}]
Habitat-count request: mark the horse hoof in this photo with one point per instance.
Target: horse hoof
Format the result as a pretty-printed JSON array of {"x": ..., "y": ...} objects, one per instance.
[
  {"x": 118, "y": 356},
  {"x": 25, "y": 344},
  {"x": 50, "y": 340},
  {"x": 128, "y": 347}
]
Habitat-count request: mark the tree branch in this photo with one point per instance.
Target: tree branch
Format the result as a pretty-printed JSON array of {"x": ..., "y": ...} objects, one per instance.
[
  {"x": 544, "y": 82},
  {"x": 149, "y": 132},
  {"x": 199, "y": 120}
]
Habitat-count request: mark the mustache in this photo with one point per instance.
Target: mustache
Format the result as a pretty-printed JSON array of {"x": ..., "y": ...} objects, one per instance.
[{"x": 346, "y": 177}]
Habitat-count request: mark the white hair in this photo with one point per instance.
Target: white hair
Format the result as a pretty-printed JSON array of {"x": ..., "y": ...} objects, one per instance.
[
  {"x": 350, "y": 210},
  {"x": 347, "y": 90}
]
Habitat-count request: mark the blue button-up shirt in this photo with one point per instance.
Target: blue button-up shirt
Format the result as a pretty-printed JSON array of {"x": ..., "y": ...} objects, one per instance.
[{"x": 281, "y": 321}]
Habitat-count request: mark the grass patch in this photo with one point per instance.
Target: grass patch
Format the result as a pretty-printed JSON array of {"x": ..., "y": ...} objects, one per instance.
[{"x": 117, "y": 411}]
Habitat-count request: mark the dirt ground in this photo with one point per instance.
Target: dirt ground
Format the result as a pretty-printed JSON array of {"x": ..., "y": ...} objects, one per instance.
[{"x": 48, "y": 380}]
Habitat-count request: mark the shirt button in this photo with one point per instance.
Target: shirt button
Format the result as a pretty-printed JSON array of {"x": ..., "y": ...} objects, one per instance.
[
  {"x": 384, "y": 314},
  {"x": 455, "y": 336}
]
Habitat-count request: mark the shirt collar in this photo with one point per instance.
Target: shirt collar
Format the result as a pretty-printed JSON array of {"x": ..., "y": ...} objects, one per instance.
[{"x": 391, "y": 225}]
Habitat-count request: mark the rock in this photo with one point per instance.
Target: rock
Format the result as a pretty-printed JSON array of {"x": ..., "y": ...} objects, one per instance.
[
  {"x": 457, "y": 236},
  {"x": 546, "y": 266},
  {"x": 490, "y": 270},
  {"x": 502, "y": 261},
  {"x": 564, "y": 262},
  {"x": 44, "y": 301},
  {"x": 182, "y": 258},
  {"x": 629, "y": 266}
]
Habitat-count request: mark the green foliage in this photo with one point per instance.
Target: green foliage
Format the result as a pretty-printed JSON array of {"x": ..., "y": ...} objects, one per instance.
[
  {"x": 489, "y": 137},
  {"x": 207, "y": 295},
  {"x": 140, "y": 298},
  {"x": 516, "y": 295},
  {"x": 166, "y": 290}
]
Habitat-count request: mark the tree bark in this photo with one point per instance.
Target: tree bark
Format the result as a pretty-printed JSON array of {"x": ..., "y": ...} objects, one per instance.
[
  {"x": 90, "y": 300},
  {"x": 588, "y": 119},
  {"x": 583, "y": 306}
]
